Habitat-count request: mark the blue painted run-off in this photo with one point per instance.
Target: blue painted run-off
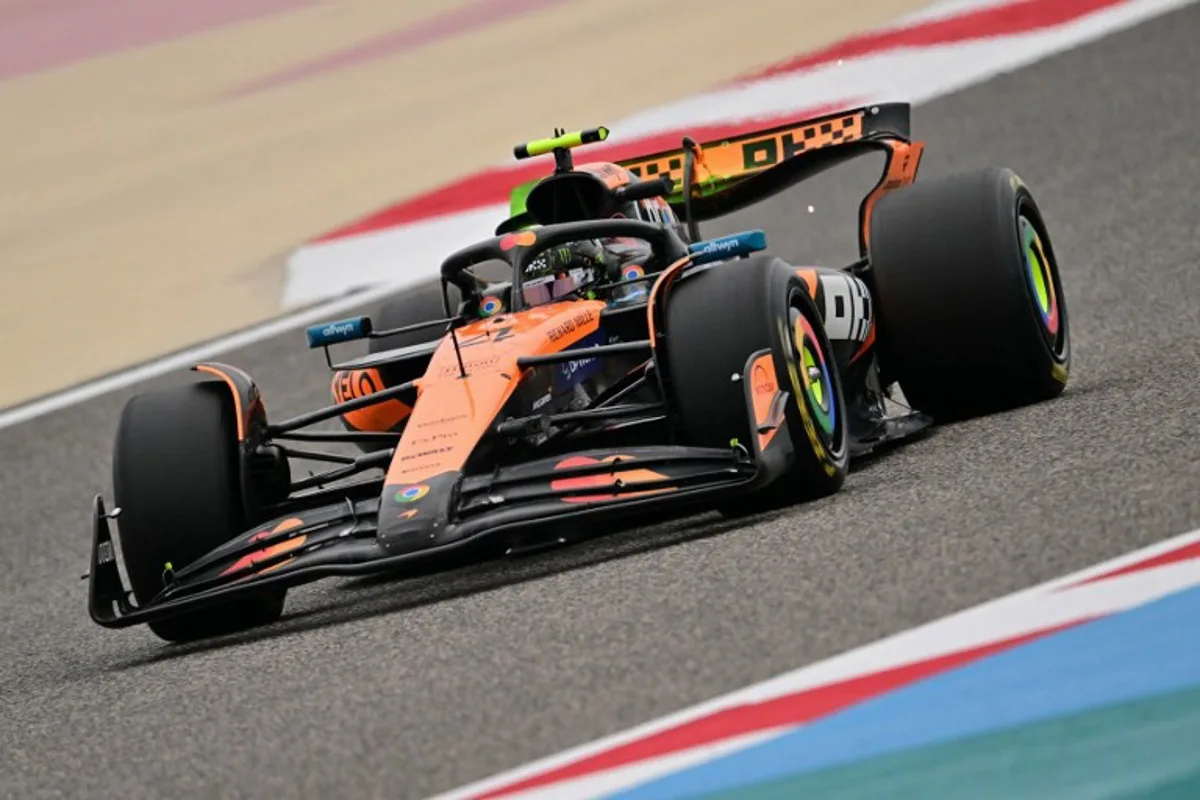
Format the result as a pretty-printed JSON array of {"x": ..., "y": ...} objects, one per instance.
[{"x": 1135, "y": 654}]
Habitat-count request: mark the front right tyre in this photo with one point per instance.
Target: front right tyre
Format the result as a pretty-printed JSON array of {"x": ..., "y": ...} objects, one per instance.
[{"x": 715, "y": 321}]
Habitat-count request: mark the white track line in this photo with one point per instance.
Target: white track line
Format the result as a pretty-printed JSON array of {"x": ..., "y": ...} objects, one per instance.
[{"x": 184, "y": 359}]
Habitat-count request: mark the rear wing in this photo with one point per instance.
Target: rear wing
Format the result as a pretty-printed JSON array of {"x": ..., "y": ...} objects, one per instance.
[{"x": 738, "y": 171}]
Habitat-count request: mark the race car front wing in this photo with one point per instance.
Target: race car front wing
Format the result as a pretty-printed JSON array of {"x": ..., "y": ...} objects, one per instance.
[{"x": 548, "y": 499}]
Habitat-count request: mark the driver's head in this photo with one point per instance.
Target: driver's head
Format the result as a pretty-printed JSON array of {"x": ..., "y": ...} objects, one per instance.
[{"x": 587, "y": 193}]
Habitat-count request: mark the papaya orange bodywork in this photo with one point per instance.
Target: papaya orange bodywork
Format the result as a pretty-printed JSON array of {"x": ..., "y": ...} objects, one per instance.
[
  {"x": 238, "y": 411},
  {"x": 352, "y": 384},
  {"x": 904, "y": 159},
  {"x": 811, "y": 280},
  {"x": 619, "y": 476},
  {"x": 453, "y": 412},
  {"x": 764, "y": 387},
  {"x": 866, "y": 345},
  {"x": 248, "y": 561},
  {"x": 288, "y": 524},
  {"x": 612, "y": 175},
  {"x": 661, "y": 284}
]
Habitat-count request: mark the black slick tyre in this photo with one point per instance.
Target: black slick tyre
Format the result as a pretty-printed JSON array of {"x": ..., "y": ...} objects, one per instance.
[
  {"x": 175, "y": 478},
  {"x": 971, "y": 312},
  {"x": 714, "y": 322}
]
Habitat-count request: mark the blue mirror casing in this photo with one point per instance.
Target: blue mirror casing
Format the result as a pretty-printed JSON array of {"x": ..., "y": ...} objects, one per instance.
[
  {"x": 735, "y": 245},
  {"x": 324, "y": 334}
]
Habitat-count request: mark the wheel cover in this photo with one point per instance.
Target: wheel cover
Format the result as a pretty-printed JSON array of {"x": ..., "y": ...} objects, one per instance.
[
  {"x": 1041, "y": 281},
  {"x": 814, "y": 375}
]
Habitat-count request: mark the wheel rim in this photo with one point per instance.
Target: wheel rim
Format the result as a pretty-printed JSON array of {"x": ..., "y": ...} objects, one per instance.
[
  {"x": 1042, "y": 285},
  {"x": 819, "y": 396}
]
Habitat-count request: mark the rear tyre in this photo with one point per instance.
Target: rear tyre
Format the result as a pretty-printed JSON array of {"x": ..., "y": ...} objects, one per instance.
[
  {"x": 175, "y": 478},
  {"x": 714, "y": 322},
  {"x": 971, "y": 312}
]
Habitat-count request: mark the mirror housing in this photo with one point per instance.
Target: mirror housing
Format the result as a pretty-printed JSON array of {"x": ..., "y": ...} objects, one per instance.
[
  {"x": 324, "y": 334},
  {"x": 723, "y": 248}
]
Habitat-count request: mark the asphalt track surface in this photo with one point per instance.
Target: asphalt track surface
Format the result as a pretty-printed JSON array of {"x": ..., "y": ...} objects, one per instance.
[{"x": 404, "y": 689}]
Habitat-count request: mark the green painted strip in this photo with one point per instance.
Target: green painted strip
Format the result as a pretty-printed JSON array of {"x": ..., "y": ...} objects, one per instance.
[
  {"x": 516, "y": 201},
  {"x": 1149, "y": 748}
]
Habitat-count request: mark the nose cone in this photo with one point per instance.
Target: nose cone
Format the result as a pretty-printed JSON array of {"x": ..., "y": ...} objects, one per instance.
[{"x": 416, "y": 516}]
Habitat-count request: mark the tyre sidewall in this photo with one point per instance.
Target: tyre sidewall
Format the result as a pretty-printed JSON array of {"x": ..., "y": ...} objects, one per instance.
[
  {"x": 176, "y": 478},
  {"x": 714, "y": 326},
  {"x": 818, "y": 459},
  {"x": 1056, "y": 361},
  {"x": 958, "y": 322},
  {"x": 155, "y": 490}
]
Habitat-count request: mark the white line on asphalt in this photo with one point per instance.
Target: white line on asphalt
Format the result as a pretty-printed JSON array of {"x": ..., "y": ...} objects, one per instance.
[{"x": 185, "y": 358}]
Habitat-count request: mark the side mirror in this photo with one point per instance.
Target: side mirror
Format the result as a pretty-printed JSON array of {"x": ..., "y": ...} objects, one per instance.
[{"x": 324, "y": 334}]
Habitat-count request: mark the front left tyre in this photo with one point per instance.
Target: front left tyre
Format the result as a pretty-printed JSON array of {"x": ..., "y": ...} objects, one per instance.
[{"x": 176, "y": 480}]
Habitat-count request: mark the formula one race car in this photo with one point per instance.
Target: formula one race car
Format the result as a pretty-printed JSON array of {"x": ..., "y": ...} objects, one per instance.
[{"x": 620, "y": 364}]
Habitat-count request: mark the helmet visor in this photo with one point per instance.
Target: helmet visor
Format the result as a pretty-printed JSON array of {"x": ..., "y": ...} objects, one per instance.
[{"x": 549, "y": 288}]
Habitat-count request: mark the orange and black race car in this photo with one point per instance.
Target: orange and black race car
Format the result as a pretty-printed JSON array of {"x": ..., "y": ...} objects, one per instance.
[{"x": 595, "y": 360}]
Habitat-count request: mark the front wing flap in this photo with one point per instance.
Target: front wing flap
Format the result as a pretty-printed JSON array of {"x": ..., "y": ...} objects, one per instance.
[{"x": 504, "y": 505}]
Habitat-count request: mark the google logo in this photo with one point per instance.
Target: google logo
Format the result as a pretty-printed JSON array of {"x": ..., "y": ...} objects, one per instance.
[{"x": 411, "y": 494}]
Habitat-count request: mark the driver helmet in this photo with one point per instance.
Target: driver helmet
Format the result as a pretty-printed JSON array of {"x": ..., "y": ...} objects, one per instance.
[
  {"x": 562, "y": 271},
  {"x": 571, "y": 269},
  {"x": 566, "y": 270},
  {"x": 628, "y": 257}
]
